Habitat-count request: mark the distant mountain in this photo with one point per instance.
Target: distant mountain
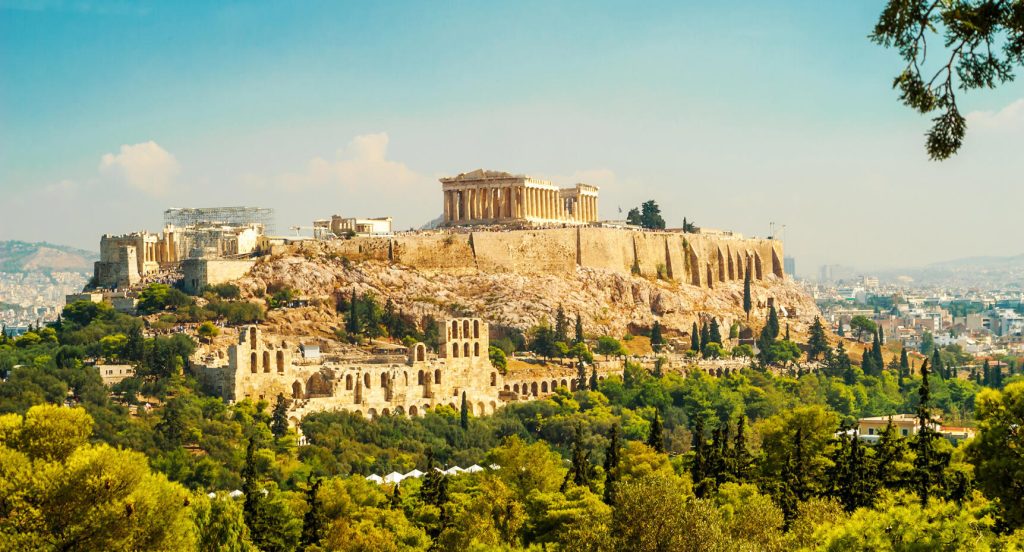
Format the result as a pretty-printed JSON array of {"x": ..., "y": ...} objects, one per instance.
[{"x": 19, "y": 256}]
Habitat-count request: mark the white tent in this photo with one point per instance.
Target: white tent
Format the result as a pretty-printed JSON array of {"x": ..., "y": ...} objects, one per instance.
[
  {"x": 393, "y": 477},
  {"x": 375, "y": 478},
  {"x": 454, "y": 470},
  {"x": 474, "y": 468},
  {"x": 211, "y": 495},
  {"x": 236, "y": 493},
  {"x": 414, "y": 473},
  {"x": 494, "y": 467}
]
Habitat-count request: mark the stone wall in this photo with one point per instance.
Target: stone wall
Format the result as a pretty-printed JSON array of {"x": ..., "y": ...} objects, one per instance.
[
  {"x": 199, "y": 273},
  {"x": 695, "y": 259}
]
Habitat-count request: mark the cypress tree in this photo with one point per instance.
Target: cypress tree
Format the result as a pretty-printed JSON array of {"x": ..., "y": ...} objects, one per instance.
[
  {"x": 581, "y": 376},
  {"x": 396, "y": 497},
  {"x": 881, "y": 335},
  {"x": 464, "y": 413},
  {"x": 937, "y": 366},
  {"x": 135, "y": 349},
  {"x": 580, "y": 469},
  {"x": 867, "y": 364},
  {"x": 699, "y": 463},
  {"x": 747, "y": 302},
  {"x": 593, "y": 378},
  {"x": 352, "y": 325},
  {"x": 929, "y": 463},
  {"x": 279, "y": 419},
  {"x": 705, "y": 335},
  {"x": 561, "y": 326},
  {"x": 611, "y": 465},
  {"x": 787, "y": 332},
  {"x": 986, "y": 377},
  {"x": 904, "y": 364},
  {"x": 657, "y": 341},
  {"x": 315, "y": 520},
  {"x": 654, "y": 438},
  {"x": 715, "y": 334},
  {"x": 839, "y": 330},
  {"x": 579, "y": 338},
  {"x": 876, "y": 353},
  {"x": 695, "y": 338},
  {"x": 889, "y": 454},
  {"x": 742, "y": 461}
]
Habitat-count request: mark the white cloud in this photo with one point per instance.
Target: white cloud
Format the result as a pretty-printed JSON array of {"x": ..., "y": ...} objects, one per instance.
[
  {"x": 64, "y": 189},
  {"x": 361, "y": 165},
  {"x": 145, "y": 166},
  {"x": 1007, "y": 118}
]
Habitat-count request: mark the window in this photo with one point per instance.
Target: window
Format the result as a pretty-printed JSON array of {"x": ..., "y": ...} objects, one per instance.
[
  {"x": 437, "y": 376},
  {"x": 904, "y": 432},
  {"x": 871, "y": 431}
]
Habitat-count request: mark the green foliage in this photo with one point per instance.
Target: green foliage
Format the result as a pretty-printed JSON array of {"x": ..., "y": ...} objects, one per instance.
[
  {"x": 981, "y": 42},
  {"x": 609, "y": 346},
  {"x": 158, "y": 297},
  {"x": 647, "y": 216},
  {"x": 498, "y": 359},
  {"x": 863, "y": 326}
]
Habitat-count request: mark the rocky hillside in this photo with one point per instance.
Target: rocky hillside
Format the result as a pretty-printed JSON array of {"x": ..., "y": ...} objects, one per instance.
[{"x": 609, "y": 303}]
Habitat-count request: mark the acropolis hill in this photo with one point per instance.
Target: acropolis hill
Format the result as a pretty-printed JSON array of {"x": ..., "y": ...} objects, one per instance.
[{"x": 510, "y": 252}]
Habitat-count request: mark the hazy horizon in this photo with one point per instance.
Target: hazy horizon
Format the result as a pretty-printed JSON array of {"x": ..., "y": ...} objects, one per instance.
[{"x": 732, "y": 115}]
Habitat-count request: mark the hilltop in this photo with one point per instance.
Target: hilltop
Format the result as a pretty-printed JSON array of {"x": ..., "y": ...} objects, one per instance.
[{"x": 19, "y": 256}]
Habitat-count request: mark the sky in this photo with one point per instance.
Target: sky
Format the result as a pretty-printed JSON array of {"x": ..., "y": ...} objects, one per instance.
[{"x": 732, "y": 114}]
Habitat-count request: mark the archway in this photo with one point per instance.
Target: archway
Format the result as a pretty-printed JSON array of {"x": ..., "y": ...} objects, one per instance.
[
  {"x": 252, "y": 337},
  {"x": 385, "y": 412},
  {"x": 366, "y": 380},
  {"x": 280, "y": 362},
  {"x": 455, "y": 329},
  {"x": 419, "y": 377},
  {"x": 533, "y": 388},
  {"x": 421, "y": 352},
  {"x": 465, "y": 328},
  {"x": 348, "y": 382},
  {"x": 413, "y": 411},
  {"x": 515, "y": 388},
  {"x": 399, "y": 411},
  {"x": 437, "y": 376},
  {"x": 565, "y": 384},
  {"x": 543, "y": 387},
  {"x": 252, "y": 363},
  {"x": 266, "y": 362},
  {"x": 480, "y": 409},
  {"x": 372, "y": 413},
  {"x": 476, "y": 349},
  {"x": 494, "y": 379},
  {"x": 297, "y": 390},
  {"x": 455, "y": 350},
  {"x": 476, "y": 329},
  {"x": 465, "y": 349}
]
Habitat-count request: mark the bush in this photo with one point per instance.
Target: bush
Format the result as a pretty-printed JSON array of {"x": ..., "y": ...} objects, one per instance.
[{"x": 225, "y": 291}]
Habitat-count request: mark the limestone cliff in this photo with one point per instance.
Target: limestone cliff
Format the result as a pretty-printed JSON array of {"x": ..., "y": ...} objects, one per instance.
[{"x": 609, "y": 301}]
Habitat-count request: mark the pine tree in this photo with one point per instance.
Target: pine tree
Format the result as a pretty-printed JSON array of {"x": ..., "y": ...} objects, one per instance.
[
  {"x": 748, "y": 304},
  {"x": 769, "y": 334},
  {"x": 715, "y": 334},
  {"x": 611, "y": 465},
  {"x": 580, "y": 470},
  {"x": 699, "y": 463},
  {"x": 654, "y": 438},
  {"x": 657, "y": 341},
  {"x": 742, "y": 460},
  {"x": 315, "y": 521},
  {"x": 561, "y": 326},
  {"x": 579, "y": 338},
  {"x": 867, "y": 364},
  {"x": 279, "y": 420},
  {"x": 889, "y": 455},
  {"x": 695, "y": 338},
  {"x": 464, "y": 413},
  {"x": 817, "y": 343}
]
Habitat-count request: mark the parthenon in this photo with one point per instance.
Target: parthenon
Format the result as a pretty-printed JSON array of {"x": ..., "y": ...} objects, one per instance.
[{"x": 490, "y": 197}]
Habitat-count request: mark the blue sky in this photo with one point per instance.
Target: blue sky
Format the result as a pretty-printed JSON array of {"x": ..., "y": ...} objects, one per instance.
[{"x": 732, "y": 114}]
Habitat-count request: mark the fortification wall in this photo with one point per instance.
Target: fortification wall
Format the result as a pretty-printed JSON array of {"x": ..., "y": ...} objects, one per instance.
[
  {"x": 199, "y": 273},
  {"x": 526, "y": 251},
  {"x": 695, "y": 259}
]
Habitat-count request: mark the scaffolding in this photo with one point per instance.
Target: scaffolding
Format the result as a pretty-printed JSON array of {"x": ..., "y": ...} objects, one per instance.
[{"x": 214, "y": 216}]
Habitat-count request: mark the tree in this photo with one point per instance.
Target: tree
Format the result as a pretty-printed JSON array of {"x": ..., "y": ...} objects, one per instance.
[
  {"x": 982, "y": 41},
  {"x": 769, "y": 334},
  {"x": 207, "y": 330},
  {"x": 543, "y": 342},
  {"x": 497, "y": 358},
  {"x": 927, "y": 343},
  {"x": 279, "y": 419},
  {"x": 611, "y": 464},
  {"x": 876, "y": 353},
  {"x": 890, "y": 458},
  {"x": 817, "y": 342},
  {"x": 314, "y": 523},
  {"x": 929, "y": 462},
  {"x": 593, "y": 378},
  {"x": 862, "y": 326},
  {"x": 352, "y": 324},
  {"x": 633, "y": 217},
  {"x": 609, "y": 346},
  {"x": 135, "y": 348},
  {"x": 937, "y": 364},
  {"x": 580, "y": 469},
  {"x": 464, "y": 413},
  {"x": 742, "y": 461},
  {"x": 561, "y": 326},
  {"x": 657, "y": 341},
  {"x": 695, "y": 338},
  {"x": 715, "y": 333},
  {"x": 995, "y": 452},
  {"x": 581, "y": 353},
  {"x": 748, "y": 303},
  {"x": 579, "y": 337},
  {"x": 904, "y": 364},
  {"x": 655, "y": 440},
  {"x": 62, "y": 493}
]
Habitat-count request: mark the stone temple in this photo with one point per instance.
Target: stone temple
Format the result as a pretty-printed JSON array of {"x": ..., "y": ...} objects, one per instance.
[{"x": 495, "y": 197}]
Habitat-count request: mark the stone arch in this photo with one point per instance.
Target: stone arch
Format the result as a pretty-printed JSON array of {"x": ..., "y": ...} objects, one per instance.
[
  {"x": 565, "y": 384},
  {"x": 348, "y": 382},
  {"x": 494, "y": 379},
  {"x": 533, "y": 389},
  {"x": 465, "y": 328},
  {"x": 507, "y": 387},
  {"x": 385, "y": 412},
  {"x": 297, "y": 390},
  {"x": 465, "y": 349},
  {"x": 293, "y": 421},
  {"x": 280, "y": 362},
  {"x": 718, "y": 372},
  {"x": 481, "y": 409},
  {"x": 252, "y": 337},
  {"x": 554, "y": 385},
  {"x": 252, "y": 362},
  {"x": 358, "y": 412},
  {"x": 413, "y": 411},
  {"x": 515, "y": 388},
  {"x": 455, "y": 350},
  {"x": 543, "y": 387},
  {"x": 399, "y": 410},
  {"x": 419, "y": 377},
  {"x": 476, "y": 349},
  {"x": 437, "y": 376},
  {"x": 494, "y": 407},
  {"x": 266, "y": 362},
  {"x": 366, "y": 380},
  {"x": 317, "y": 385},
  {"x": 420, "y": 352},
  {"x": 572, "y": 384},
  {"x": 455, "y": 329},
  {"x": 476, "y": 329},
  {"x": 372, "y": 413},
  {"x": 452, "y": 406},
  {"x": 383, "y": 379},
  {"x": 600, "y": 378}
]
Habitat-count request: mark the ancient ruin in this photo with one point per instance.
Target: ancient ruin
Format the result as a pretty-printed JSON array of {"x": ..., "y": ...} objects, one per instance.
[{"x": 494, "y": 197}]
